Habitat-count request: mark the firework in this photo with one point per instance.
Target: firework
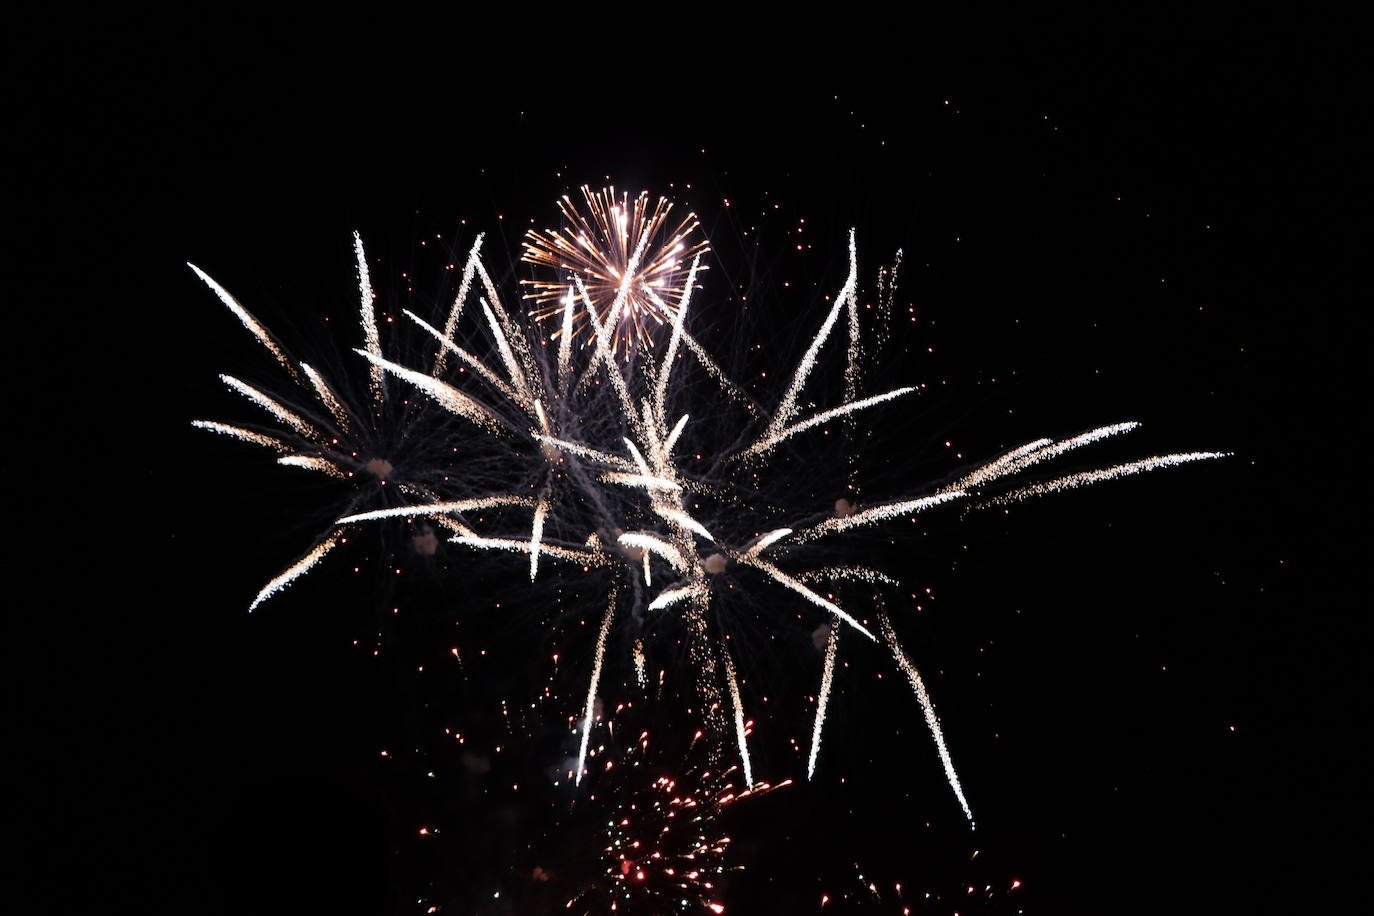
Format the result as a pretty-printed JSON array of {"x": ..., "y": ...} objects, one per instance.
[
  {"x": 630, "y": 257},
  {"x": 665, "y": 849},
  {"x": 583, "y": 449},
  {"x": 390, "y": 451}
]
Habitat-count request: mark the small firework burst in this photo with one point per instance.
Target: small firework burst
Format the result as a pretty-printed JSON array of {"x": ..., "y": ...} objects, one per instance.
[
  {"x": 666, "y": 849},
  {"x": 615, "y": 245}
]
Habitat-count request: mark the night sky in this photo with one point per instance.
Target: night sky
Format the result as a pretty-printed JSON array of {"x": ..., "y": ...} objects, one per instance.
[{"x": 1151, "y": 688}]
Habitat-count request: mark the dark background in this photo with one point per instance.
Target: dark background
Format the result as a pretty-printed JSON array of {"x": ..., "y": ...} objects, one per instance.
[{"x": 1151, "y": 687}]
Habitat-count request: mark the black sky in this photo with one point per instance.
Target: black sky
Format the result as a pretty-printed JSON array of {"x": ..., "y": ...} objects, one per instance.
[{"x": 1154, "y": 686}]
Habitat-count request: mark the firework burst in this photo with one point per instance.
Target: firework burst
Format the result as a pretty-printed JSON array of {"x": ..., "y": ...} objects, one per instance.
[
  {"x": 630, "y": 257},
  {"x": 383, "y": 449},
  {"x": 588, "y": 453},
  {"x": 665, "y": 847}
]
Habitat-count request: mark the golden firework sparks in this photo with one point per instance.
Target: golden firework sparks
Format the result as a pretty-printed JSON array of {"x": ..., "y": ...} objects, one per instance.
[{"x": 631, "y": 256}]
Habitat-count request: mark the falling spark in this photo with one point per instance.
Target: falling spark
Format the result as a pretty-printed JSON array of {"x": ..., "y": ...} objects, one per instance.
[
  {"x": 517, "y": 377},
  {"x": 327, "y": 396},
  {"x": 254, "y": 326},
  {"x": 565, "y": 339},
  {"x": 591, "y": 688},
  {"x": 460, "y": 505},
  {"x": 928, "y": 709},
  {"x": 672, "y": 596},
  {"x": 999, "y": 467},
  {"x": 448, "y": 346},
  {"x": 768, "y": 540},
  {"x": 296, "y": 570},
  {"x": 788, "y": 407},
  {"x": 666, "y": 452},
  {"x": 648, "y": 481},
  {"x": 466, "y": 537},
  {"x": 1086, "y": 478},
  {"x": 368, "y": 314},
  {"x": 685, "y": 520},
  {"x": 738, "y": 704},
  {"x": 823, "y": 696},
  {"x": 542, "y": 417},
  {"x": 824, "y": 417},
  {"x": 313, "y": 463},
  {"x": 271, "y": 406},
  {"x": 541, "y": 509},
  {"x": 1073, "y": 442},
  {"x": 245, "y": 435},
  {"x": 606, "y": 353},
  {"x": 679, "y": 323},
  {"x": 638, "y": 458},
  {"x": 655, "y": 545},
  {"x": 717, "y": 373},
  {"x": 787, "y": 581},
  {"x": 851, "y": 572},
  {"x": 456, "y": 311},
  {"x": 586, "y": 452},
  {"x": 1031, "y": 453},
  {"x": 528, "y": 376},
  {"x": 879, "y": 514},
  {"x": 448, "y": 397}
]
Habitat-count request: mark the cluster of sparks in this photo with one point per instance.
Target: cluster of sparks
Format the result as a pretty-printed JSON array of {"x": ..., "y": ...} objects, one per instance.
[
  {"x": 664, "y": 846},
  {"x": 620, "y": 254},
  {"x": 592, "y": 474}
]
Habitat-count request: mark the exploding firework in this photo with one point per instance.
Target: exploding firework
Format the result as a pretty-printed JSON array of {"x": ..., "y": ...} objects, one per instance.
[
  {"x": 625, "y": 471},
  {"x": 384, "y": 449},
  {"x": 629, "y": 257},
  {"x": 665, "y": 847}
]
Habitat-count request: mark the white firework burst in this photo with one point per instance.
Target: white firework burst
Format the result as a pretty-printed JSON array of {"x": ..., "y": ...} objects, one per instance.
[{"x": 592, "y": 447}]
